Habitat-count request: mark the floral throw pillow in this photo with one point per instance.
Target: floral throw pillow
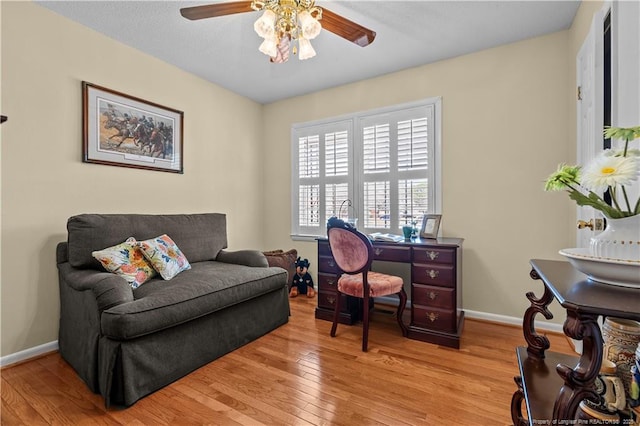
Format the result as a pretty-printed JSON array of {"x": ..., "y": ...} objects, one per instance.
[
  {"x": 165, "y": 256},
  {"x": 126, "y": 260}
]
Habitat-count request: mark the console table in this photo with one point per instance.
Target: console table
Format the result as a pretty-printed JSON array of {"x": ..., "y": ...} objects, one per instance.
[
  {"x": 553, "y": 396},
  {"x": 436, "y": 287}
]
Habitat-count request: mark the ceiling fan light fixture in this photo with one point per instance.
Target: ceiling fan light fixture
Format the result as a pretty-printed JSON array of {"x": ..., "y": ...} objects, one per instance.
[
  {"x": 306, "y": 50},
  {"x": 287, "y": 19},
  {"x": 269, "y": 47},
  {"x": 265, "y": 26},
  {"x": 309, "y": 25},
  {"x": 284, "y": 22}
]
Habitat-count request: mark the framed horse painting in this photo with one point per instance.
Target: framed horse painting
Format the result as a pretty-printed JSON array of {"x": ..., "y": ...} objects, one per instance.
[{"x": 122, "y": 130}]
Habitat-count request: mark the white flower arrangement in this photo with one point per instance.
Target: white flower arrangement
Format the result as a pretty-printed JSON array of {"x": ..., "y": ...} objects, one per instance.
[{"x": 612, "y": 170}]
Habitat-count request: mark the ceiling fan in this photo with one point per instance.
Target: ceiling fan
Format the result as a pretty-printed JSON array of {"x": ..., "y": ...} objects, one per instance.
[{"x": 285, "y": 22}]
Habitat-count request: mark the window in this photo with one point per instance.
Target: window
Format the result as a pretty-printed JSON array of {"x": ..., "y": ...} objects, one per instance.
[{"x": 384, "y": 161}]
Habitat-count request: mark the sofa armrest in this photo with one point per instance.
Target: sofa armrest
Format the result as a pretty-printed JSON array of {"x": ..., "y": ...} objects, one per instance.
[
  {"x": 253, "y": 258},
  {"x": 62, "y": 252},
  {"x": 109, "y": 289}
]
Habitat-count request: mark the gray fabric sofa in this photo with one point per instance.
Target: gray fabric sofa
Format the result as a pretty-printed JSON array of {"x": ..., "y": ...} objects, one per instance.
[{"x": 126, "y": 343}]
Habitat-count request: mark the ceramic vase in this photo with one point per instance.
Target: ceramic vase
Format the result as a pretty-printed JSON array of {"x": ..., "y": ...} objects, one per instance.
[
  {"x": 610, "y": 388},
  {"x": 619, "y": 241},
  {"x": 621, "y": 338},
  {"x": 587, "y": 413},
  {"x": 634, "y": 392}
]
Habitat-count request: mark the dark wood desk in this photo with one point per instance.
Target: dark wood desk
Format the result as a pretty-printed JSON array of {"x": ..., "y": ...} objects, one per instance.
[
  {"x": 551, "y": 396},
  {"x": 436, "y": 287}
]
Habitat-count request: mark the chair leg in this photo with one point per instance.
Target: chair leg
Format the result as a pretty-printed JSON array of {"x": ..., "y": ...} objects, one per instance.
[
  {"x": 336, "y": 315},
  {"x": 365, "y": 323},
  {"x": 403, "y": 304}
]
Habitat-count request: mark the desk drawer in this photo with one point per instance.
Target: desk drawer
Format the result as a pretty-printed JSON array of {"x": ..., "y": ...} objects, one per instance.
[
  {"x": 324, "y": 249},
  {"x": 327, "y": 282},
  {"x": 434, "y": 255},
  {"x": 436, "y": 297},
  {"x": 434, "y": 318},
  {"x": 327, "y": 264},
  {"x": 327, "y": 300},
  {"x": 440, "y": 275},
  {"x": 391, "y": 253}
]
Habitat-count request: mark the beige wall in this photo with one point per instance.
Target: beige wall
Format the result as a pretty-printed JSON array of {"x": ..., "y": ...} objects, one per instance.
[
  {"x": 44, "y": 59},
  {"x": 508, "y": 119}
]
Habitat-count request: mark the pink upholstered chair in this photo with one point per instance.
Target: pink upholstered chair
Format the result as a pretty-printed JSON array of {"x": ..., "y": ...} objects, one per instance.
[{"x": 353, "y": 253}]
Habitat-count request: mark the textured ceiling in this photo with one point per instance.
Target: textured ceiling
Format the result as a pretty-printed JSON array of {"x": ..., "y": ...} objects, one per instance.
[{"x": 224, "y": 50}]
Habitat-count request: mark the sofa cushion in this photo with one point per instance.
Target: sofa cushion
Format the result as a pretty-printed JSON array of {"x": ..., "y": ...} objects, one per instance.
[
  {"x": 128, "y": 261},
  {"x": 199, "y": 236},
  {"x": 207, "y": 287},
  {"x": 165, "y": 256}
]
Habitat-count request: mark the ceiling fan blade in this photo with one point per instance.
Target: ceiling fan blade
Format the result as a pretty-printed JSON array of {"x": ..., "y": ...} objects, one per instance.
[
  {"x": 218, "y": 9},
  {"x": 349, "y": 30}
]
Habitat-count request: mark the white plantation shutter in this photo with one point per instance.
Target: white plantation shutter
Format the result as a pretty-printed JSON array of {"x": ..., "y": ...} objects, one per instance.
[
  {"x": 309, "y": 155},
  {"x": 376, "y": 160},
  {"x": 336, "y": 194},
  {"x": 321, "y": 184},
  {"x": 309, "y": 204},
  {"x": 337, "y": 164},
  {"x": 413, "y": 144},
  {"x": 377, "y": 202},
  {"x": 376, "y": 143},
  {"x": 396, "y": 148},
  {"x": 309, "y": 170},
  {"x": 413, "y": 200},
  {"x": 337, "y": 153},
  {"x": 384, "y": 161},
  {"x": 413, "y": 155}
]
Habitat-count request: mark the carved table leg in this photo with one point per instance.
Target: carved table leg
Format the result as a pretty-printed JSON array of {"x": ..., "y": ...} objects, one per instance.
[
  {"x": 536, "y": 344},
  {"x": 516, "y": 404},
  {"x": 578, "y": 382}
]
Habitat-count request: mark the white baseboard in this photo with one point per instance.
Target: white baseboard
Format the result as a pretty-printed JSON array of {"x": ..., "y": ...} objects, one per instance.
[
  {"x": 503, "y": 319},
  {"x": 28, "y": 353}
]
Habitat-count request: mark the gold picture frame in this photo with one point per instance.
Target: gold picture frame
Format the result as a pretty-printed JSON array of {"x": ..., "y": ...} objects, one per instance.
[
  {"x": 125, "y": 131},
  {"x": 430, "y": 225}
]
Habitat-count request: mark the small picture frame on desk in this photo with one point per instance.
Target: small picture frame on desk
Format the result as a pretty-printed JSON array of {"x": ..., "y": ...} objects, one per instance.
[{"x": 430, "y": 225}]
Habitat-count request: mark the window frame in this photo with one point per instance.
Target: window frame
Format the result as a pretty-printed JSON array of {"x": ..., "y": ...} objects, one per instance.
[{"x": 354, "y": 122}]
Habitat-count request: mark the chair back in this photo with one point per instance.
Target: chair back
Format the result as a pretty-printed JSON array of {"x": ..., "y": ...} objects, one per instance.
[{"x": 351, "y": 249}]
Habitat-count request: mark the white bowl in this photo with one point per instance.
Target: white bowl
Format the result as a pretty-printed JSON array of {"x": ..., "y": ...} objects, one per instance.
[{"x": 619, "y": 272}]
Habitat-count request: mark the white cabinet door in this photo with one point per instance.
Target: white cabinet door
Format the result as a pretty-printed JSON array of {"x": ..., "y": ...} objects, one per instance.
[
  {"x": 625, "y": 91},
  {"x": 590, "y": 111}
]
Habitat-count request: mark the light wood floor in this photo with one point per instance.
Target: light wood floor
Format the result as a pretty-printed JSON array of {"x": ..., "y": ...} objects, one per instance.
[{"x": 299, "y": 375}]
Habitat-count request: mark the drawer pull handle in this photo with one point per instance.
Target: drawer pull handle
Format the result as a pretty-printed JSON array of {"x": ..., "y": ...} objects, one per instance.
[
  {"x": 331, "y": 282},
  {"x": 433, "y": 274},
  {"x": 432, "y": 316},
  {"x": 332, "y": 264},
  {"x": 433, "y": 295},
  {"x": 433, "y": 255},
  {"x": 331, "y": 300},
  {"x": 378, "y": 251}
]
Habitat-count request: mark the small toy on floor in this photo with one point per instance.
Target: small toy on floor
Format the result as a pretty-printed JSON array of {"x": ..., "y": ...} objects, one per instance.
[{"x": 302, "y": 282}]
